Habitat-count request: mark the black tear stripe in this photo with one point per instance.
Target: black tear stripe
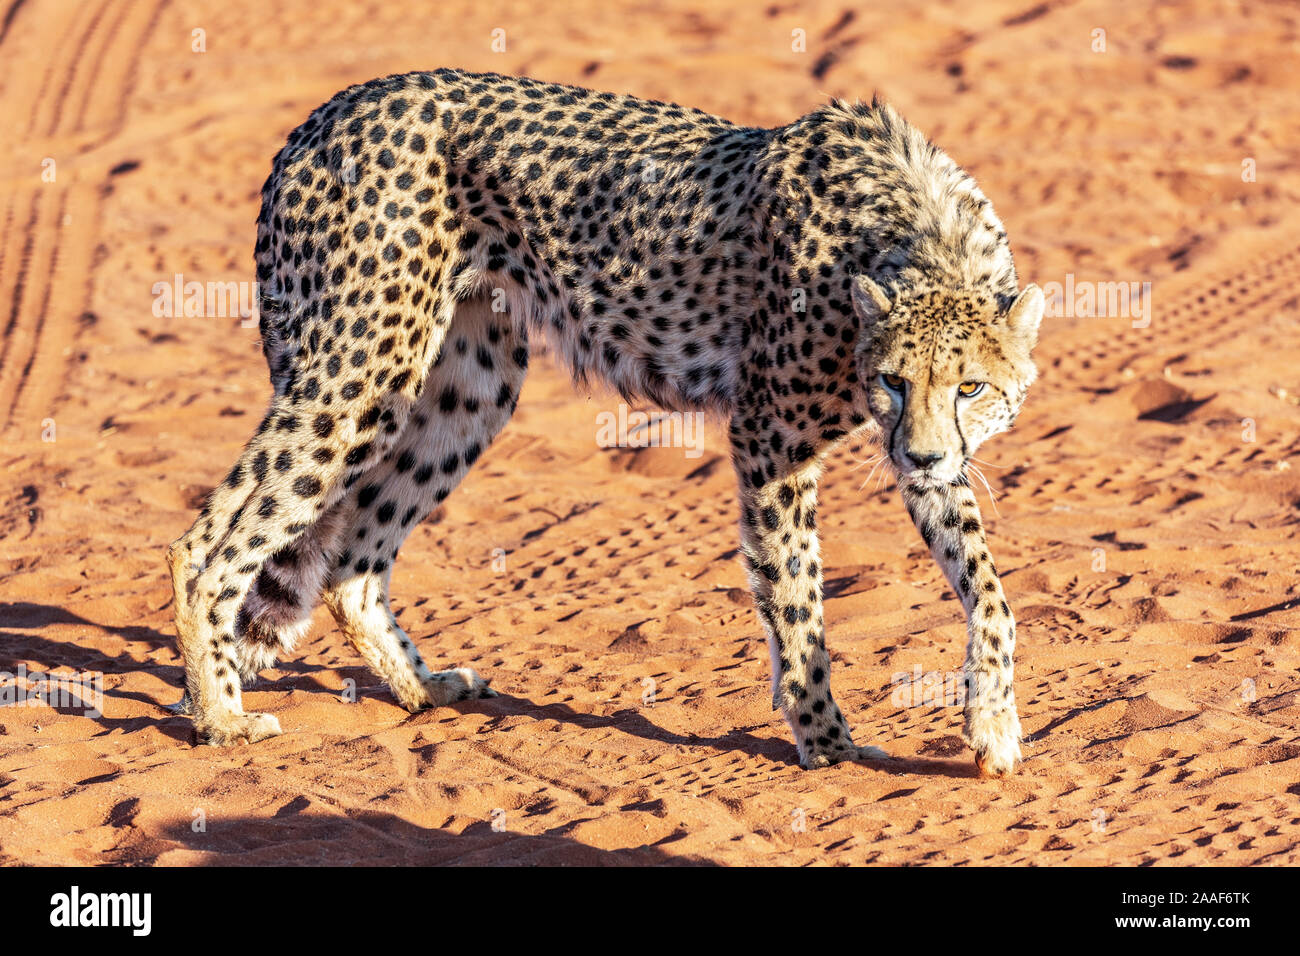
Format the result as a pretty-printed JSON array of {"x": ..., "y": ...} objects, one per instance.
[
  {"x": 956, "y": 420},
  {"x": 893, "y": 432}
]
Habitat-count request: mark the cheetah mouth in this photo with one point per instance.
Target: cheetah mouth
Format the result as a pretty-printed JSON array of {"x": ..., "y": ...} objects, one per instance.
[
  {"x": 927, "y": 477},
  {"x": 927, "y": 480}
]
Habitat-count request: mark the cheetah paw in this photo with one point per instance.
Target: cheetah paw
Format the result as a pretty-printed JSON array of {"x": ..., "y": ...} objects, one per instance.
[
  {"x": 449, "y": 687},
  {"x": 995, "y": 738},
  {"x": 242, "y": 728},
  {"x": 827, "y": 757}
]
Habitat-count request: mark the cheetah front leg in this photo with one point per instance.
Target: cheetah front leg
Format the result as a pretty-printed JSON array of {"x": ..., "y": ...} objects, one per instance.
[
  {"x": 948, "y": 518},
  {"x": 778, "y": 530}
]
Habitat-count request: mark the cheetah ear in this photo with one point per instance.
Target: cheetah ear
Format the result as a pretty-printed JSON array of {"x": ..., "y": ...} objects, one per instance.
[
  {"x": 869, "y": 300},
  {"x": 1025, "y": 314}
]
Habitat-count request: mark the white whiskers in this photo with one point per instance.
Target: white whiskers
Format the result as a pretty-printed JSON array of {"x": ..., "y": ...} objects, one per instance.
[
  {"x": 875, "y": 461},
  {"x": 974, "y": 469}
]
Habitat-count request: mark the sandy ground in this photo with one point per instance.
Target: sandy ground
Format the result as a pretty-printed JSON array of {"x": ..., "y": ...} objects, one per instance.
[{"x": 1149, "y": 497}]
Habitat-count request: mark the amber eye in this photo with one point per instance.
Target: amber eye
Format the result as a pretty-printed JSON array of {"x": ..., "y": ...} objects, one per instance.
[
  {"x": 893, "y": 381},
  {"x": 970, "y": 389}
]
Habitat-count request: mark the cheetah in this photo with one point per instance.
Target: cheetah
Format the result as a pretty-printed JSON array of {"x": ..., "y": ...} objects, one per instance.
[{"x": 836, "y": 277}]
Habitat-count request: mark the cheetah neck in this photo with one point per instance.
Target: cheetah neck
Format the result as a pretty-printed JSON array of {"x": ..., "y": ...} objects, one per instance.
[{"x": 867, "y": 192}]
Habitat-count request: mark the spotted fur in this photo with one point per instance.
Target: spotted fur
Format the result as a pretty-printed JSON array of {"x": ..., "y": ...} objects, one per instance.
[{"x": 416, "y": 230}]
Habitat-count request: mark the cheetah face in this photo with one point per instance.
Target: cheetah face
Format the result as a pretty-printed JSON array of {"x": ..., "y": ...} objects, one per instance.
[{"x": 943, "y": 372}]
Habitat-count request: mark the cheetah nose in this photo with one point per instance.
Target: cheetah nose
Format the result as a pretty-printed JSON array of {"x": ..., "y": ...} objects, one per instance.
[{"x": 924, "y": 459}]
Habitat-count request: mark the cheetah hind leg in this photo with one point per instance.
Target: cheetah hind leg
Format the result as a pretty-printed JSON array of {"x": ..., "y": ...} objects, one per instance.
[
  {"x": 277, "y": 612},
  {"x": 288, "y": 500},
  {"x": 468, "y": 397},
  {"x": 360, "y": 605}
]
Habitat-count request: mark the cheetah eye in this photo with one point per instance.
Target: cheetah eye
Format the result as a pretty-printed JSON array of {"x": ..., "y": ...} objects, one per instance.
[
  {"x": 893, "y": 382},
  {"x": 970, "y": 389}
]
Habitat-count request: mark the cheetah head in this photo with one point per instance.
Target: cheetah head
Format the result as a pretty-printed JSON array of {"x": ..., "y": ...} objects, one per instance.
[{"x": 944, "y": 371}]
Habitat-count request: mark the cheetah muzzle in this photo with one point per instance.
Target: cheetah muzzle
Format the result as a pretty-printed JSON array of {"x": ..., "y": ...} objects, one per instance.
[{"x": 838, "y": 276}]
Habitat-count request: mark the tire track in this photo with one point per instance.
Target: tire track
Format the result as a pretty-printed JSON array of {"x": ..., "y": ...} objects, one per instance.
[
  {"x": 99, "y": 71},
  {"x": 91, "y": 88},
  {"x": 36, "y": 256},
  {"x": 1237, "y": 295},
  {"x": 10, "y": 14},
  {"x": 15, "y": 295},
  {"x": 75, "y": 62},
  {"x": 43, "y": 312},
  {"x": 16, "y": 353},
  {"x": 52, "y": 41},
  {"x": 8, "y": 231}
]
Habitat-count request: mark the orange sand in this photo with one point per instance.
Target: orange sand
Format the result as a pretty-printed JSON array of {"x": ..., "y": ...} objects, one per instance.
[{"x": 1160, "y": 693}]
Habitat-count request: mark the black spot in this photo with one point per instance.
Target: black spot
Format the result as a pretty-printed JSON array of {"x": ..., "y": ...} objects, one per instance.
[{"x": 307, "y": 486}]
